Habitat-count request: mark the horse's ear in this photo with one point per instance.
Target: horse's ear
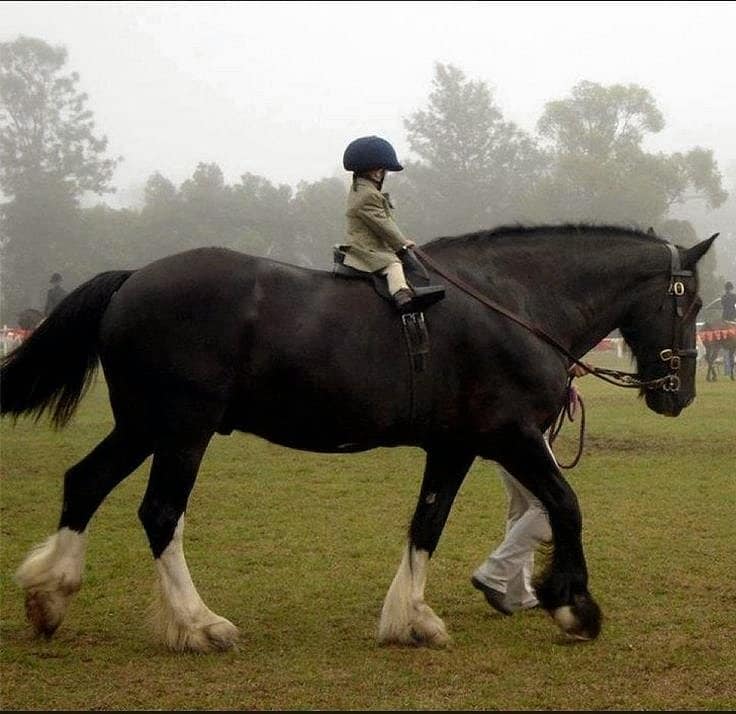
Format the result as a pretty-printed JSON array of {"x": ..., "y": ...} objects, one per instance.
[
  {"x": 694, "y": 254},
  {"x": 650, "y": 232}
]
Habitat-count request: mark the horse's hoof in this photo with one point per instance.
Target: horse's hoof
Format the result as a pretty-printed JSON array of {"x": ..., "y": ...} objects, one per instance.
[
  {"x": 218, "y": 636},
  {"x": 221, "y": 636},
  {"x": 45, "y": 611},
  {"x": 580, "y": 621},
  {"x": 435, "y": 637},
  {"x": 422, "y": 629}
]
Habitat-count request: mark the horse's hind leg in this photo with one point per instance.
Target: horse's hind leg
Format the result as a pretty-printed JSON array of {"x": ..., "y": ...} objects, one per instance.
[
  {"x": 406, "y": 618},
  {"x": 52, "y": 571},
  {"x": 181, "y": 618}
]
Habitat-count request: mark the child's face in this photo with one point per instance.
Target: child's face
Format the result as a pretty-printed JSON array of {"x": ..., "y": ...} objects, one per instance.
[{"x": 377, "y": 174}]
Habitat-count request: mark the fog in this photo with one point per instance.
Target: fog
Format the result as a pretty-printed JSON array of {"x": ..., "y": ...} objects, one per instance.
[
  {"x": 279, "y": 88},
  {"x": 245, "y": 109}
]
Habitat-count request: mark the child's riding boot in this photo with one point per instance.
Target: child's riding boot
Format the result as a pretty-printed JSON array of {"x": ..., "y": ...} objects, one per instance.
[{"x": 402, "y": 299}]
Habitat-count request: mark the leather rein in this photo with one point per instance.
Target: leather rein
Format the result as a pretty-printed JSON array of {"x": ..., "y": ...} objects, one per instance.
[{"x": 671, "y": 356}]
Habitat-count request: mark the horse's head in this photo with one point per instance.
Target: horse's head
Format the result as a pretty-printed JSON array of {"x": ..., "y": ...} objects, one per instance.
[{"x": 660, "y": 330}]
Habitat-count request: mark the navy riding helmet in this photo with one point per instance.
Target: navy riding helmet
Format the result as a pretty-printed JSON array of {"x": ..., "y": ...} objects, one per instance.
[{"x": 368, "y": 153}]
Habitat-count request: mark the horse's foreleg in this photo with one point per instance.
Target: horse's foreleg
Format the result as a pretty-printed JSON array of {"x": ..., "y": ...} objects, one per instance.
[
  {"x": 180, "y": 616},
  {"x": 562, "y": 589},
  {"x": 406, "y": 618},
  {"x": 52, "y": 571}
]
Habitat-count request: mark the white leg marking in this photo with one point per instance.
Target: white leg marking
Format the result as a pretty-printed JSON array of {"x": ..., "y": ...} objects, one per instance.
[
  {"x": 182, "y": 619},
  {"x": 50, "y": 575},
  {"x": 406, "y": 618},
  {"x": 568, "y": 622},
  {"x": 564, "y": 617}
]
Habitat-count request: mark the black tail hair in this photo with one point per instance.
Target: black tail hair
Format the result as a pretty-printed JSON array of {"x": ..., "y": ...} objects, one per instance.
[{"x": 52, "y": 369}]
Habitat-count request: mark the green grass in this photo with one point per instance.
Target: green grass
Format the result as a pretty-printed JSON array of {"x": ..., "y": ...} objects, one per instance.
[{"x": 299, "y": 549}]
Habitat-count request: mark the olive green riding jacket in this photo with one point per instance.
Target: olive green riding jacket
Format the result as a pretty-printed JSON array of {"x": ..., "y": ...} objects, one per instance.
[{"x": 373, "y": 236}]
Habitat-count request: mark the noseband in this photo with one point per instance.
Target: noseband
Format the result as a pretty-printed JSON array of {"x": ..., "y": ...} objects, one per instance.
[{"x": 671, "y": 356}]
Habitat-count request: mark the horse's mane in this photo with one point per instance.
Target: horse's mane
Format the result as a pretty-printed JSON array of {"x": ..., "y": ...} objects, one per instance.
[{"x": 565, "y": 229}]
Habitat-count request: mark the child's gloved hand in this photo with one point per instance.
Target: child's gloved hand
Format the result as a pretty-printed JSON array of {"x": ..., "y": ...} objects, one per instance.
[{"x": 577, "y": 370}]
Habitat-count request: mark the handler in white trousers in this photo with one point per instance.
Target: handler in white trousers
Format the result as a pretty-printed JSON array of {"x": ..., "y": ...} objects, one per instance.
[{"x": 505, "y": 578}]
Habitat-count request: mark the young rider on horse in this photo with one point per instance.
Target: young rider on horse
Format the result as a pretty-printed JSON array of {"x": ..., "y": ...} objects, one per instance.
[{"x": 374, "y": 240}]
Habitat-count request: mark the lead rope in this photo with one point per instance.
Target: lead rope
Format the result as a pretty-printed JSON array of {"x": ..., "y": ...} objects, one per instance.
[{"x": 572, "y": 400}]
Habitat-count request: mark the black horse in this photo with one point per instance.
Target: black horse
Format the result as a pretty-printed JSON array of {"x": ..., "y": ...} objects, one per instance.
[{"x": 211, "y": 340}]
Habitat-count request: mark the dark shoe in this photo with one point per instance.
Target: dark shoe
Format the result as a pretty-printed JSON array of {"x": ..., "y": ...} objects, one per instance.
[
  {"x": 493, "y": 597},
  {"x": 402, "y": 299}
]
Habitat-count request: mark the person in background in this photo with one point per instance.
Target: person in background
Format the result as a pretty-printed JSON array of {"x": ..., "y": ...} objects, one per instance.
[
  {"x": 505, "y": 578},
  {"x": 728, "y": 303},
  {"x": 374, "y": 240},
  {"x": 54, "y": 295}
]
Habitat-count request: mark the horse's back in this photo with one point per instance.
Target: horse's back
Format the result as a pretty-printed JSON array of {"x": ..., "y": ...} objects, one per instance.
[{"x": 204, "y": 289}]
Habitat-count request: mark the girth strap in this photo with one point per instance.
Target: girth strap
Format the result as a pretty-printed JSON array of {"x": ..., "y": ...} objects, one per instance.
[{"x": 416, "y": 335}]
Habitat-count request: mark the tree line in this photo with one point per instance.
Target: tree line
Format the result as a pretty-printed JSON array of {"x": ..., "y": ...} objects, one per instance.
[{"x": 470, "y": 168}]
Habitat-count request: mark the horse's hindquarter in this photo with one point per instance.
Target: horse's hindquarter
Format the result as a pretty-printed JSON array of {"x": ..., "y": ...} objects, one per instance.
[{"x": 173, "y": 330}]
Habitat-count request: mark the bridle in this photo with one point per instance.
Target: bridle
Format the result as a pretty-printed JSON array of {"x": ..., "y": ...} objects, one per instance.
[{"x": 672, "y": 356}]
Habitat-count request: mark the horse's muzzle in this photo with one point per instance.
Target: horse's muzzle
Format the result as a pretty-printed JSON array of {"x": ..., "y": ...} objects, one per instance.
[{"x": 668, "y": 403}]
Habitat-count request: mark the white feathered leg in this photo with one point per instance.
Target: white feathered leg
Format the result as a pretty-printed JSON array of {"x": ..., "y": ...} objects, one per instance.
[
  {"x": 181, "y": 618},
  {"x": 50, "y": 575},
  {"x": 406, "y": 618}
]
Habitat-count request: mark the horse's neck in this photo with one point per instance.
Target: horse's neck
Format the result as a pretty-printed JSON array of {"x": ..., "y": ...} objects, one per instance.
[{"x": 576, "y": 289}]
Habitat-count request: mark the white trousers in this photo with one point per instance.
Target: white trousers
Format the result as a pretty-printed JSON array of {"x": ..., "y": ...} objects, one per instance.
[{"x": 510, "y": 567}]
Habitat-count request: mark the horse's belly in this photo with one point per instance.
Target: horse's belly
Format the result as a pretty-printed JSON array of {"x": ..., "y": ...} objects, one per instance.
[{"x": 302, "y": 416}]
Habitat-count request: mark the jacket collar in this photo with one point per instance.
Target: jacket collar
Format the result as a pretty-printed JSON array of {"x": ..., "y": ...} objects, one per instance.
[{"x": 360, "y": 181}]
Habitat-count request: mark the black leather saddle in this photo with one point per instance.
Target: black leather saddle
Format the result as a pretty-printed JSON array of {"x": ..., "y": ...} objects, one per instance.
[{"x": 425, "y": 294}]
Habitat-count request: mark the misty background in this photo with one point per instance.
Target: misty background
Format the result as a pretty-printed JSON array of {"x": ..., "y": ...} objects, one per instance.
[{"x": 130, "y": 131}]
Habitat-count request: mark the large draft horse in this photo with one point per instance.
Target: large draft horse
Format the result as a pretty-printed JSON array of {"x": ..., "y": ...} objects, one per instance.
[{"x": 210, "y": 340}]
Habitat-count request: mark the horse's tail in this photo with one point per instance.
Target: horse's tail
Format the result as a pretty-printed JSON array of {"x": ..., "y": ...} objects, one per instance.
[{"x": 54, "y": 366}]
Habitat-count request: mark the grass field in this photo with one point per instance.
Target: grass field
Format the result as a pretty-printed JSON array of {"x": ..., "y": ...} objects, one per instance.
[{"x": 298, "y": 550}]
